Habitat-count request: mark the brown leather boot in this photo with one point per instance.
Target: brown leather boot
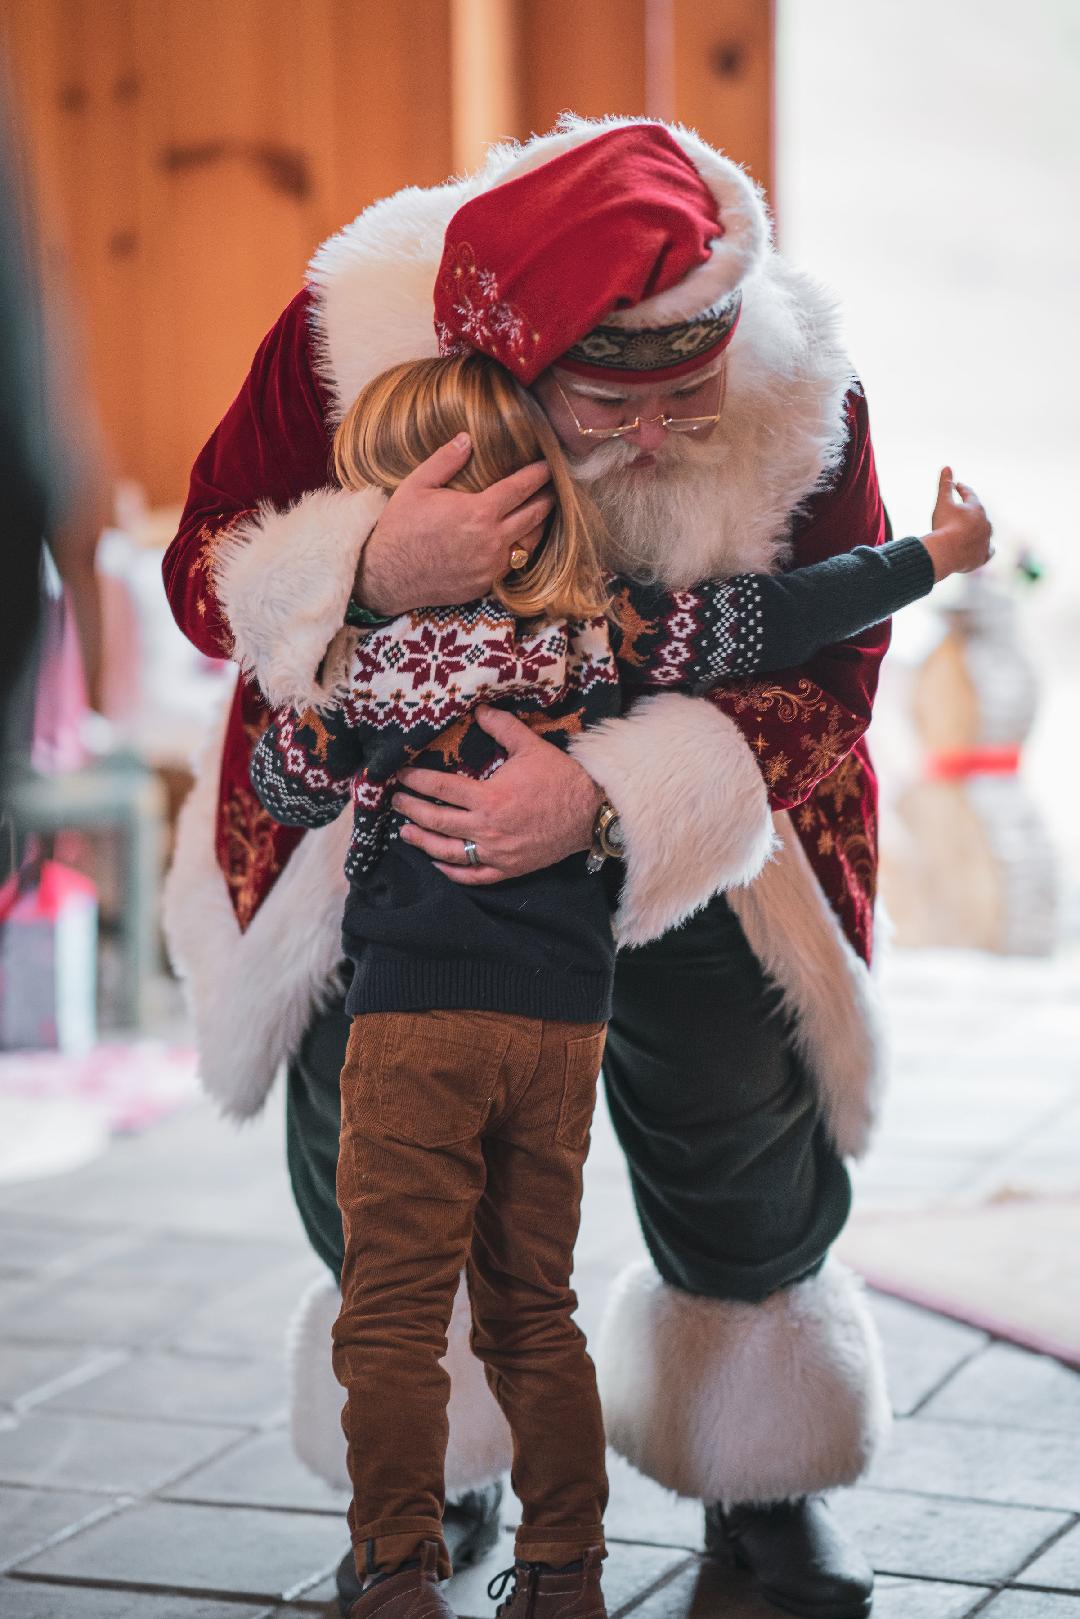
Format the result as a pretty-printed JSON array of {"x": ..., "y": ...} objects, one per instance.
[
  {"x": 541, "y": 1592},
  {"x": 411, "y": 1593}
]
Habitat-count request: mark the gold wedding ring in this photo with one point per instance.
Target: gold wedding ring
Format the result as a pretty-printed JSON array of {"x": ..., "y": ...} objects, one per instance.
[{"x": 518, "y": 557}]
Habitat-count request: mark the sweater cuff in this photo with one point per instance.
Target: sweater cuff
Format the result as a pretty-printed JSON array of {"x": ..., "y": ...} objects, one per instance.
[{"x": 911, "y": 567}]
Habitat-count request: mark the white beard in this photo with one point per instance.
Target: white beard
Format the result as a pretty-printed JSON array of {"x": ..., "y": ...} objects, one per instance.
[{"x": 662, "y": 522}]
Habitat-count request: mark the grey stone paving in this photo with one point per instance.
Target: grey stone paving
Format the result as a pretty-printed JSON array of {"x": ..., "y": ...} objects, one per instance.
[
  {"x": 986, "y": 1094},
  {"x": 145, "y": 1467}
]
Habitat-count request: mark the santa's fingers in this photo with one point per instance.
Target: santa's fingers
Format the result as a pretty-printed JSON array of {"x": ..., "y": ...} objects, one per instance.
[
  {"x": 516, "y": 489},
  {"x": 431, "y": 784},
  {"x": 526, "y": 525},
  {"x": 443, "y": 850},
  {"x": 448, "y": 819}
]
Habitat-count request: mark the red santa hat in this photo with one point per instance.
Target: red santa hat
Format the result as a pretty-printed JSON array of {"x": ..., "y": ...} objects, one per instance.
[{"x": 621, "y": 257}]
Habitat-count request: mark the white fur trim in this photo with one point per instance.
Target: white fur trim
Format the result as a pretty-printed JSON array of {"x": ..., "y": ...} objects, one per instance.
[
  {"x": 828, "y": 989},
  {"x": 696, "y": 822},
  {"x": 315, "y": 1395},
  {"x": 732, "y": 1402},
  {"x": 374, "y": 287},
  {"x": 743, "y": 216},
  {"x": 479, "y": 1446},
  {"x": 284, "y": 580},
  {"x": 783, "y": 430},
  {"x": 251, "y": 995},
  {"x": 692, "y": 803}
]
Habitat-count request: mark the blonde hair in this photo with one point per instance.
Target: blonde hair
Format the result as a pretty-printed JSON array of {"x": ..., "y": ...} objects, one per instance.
[{"x": 404, "y": 415}]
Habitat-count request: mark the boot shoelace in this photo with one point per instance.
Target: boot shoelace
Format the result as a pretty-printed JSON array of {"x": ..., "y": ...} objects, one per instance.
[{"x": 497, "y": 1587}]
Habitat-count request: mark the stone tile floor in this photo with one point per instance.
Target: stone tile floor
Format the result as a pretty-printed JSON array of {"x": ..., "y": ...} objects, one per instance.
[
  {"x": 145, "y": 1468},
  {"x": 984, "y": 1097}
]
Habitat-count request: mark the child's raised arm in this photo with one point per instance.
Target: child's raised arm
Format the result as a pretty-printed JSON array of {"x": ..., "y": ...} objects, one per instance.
[{"x": 735, "y": 628}]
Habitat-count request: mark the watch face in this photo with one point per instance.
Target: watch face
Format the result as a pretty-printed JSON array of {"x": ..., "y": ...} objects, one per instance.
[{"x": 613, "y": 836}]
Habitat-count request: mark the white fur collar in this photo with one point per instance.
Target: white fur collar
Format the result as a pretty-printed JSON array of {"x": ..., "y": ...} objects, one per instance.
[{"x": 784, "y": 421}]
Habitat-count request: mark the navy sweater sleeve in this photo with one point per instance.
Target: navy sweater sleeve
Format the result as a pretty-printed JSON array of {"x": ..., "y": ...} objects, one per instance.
[
  {"x": 755, "y": 622},
  {"x": 830, "y": 601}
]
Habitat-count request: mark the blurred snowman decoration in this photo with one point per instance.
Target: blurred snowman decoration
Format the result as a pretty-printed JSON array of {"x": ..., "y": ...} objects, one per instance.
[{"x": 975, "y": 865}]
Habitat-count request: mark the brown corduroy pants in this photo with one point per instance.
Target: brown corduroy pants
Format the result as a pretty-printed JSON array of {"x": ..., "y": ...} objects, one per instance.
[{"x": 463, "y": 1136}]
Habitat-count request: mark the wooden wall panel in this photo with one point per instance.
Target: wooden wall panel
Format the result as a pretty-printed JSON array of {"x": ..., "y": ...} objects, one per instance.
[
  {"x": 391, "y": 78},
  {"x": 70, "y": 83},
  {"x": 706, "y": 63},
  {"x": 723, "y": 73},
  {"x": 487, "y": 71},
  {"x": 229, "y": 203},
  {"x": 587, "y": 56},
  {"x": 191, "y": 154}
]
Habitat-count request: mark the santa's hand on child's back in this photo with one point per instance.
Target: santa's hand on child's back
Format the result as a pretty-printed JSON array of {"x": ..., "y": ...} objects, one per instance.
[{"x": 960, "y": 540}]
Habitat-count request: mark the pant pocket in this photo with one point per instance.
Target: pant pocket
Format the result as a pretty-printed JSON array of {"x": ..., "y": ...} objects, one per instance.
[
  {"x": 437, "y": 1075},
  {"x": 584, "y": 1054}
]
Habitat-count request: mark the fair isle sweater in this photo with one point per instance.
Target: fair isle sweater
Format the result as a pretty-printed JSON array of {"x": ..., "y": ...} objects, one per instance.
[{"x": 539, "y": 945}]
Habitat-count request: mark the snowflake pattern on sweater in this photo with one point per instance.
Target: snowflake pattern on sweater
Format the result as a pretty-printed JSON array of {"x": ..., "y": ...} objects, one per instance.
[{"x": 413, "y": 686}]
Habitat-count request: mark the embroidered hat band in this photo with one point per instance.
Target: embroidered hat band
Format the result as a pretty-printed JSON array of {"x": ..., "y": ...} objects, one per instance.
[{"x": 668, "y": 350}]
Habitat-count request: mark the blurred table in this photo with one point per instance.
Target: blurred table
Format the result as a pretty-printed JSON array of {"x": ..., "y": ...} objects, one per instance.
[{"x": 117, "y": 793}]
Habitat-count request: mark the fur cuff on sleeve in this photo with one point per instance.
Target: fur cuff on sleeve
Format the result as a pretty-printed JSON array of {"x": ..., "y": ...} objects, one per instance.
[
  {"x": 284, "y": 579},
  {"x": 692, "y": 802}
]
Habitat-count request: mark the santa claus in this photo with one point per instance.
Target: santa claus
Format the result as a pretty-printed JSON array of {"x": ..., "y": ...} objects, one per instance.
[{"x": 740, "y": 1366}]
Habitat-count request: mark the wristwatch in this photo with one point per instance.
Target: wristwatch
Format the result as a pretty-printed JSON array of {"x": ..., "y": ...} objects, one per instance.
[{"x": 607, "y": 837}]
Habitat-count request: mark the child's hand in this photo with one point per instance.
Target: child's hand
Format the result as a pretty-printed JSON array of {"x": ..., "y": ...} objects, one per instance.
[{"x": 960, "y": 541}]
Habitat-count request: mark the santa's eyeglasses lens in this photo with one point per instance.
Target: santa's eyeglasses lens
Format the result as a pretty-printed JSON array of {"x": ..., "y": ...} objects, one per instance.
[{"x": 671, "y": 424}]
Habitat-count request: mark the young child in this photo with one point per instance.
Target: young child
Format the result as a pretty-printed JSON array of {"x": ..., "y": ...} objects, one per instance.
[{"x": 479, "y": 1012}]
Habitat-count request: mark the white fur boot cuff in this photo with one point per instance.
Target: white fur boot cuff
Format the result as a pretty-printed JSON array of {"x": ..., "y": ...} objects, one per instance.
[
  {"x": 732, "y": 1402},
  {"x": 479, "y": 1448}
]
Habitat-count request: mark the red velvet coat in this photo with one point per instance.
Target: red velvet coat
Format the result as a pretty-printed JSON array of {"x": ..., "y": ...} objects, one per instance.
[{"x": 805, "y": 726}]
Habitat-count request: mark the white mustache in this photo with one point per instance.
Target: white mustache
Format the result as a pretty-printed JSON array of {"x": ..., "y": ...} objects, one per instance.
[{"x": 618, "y": 453}]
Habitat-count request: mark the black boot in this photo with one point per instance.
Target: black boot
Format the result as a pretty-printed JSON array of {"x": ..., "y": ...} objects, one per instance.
[
  {"x": 799, "y": 1556},
  {"x": 470, "y": 1529}
]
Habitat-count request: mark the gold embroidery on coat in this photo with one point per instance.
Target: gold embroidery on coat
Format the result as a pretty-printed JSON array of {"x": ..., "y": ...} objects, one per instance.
[
  {"x": 824, "y": 752},
  {"x": 775, "y": 768},
  {"x": 250, "y": 856},
  {"x": 845, "y": 782},
  {"x": 761, "y": 698},
  {"x": 202, "y": 573}
]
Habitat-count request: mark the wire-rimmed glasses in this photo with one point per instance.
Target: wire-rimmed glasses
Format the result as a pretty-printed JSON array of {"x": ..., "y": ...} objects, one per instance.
[{"x": 671, "y": 424}]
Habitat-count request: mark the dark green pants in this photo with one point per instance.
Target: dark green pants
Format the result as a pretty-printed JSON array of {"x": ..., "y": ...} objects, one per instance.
[{"x": 737, "y": 1187}]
